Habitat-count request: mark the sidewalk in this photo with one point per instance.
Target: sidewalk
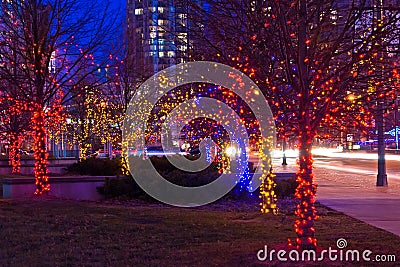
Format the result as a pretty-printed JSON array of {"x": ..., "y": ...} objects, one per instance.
[
  {"x": 360, "y": 198},
  {"x": 357, "y": 195}
]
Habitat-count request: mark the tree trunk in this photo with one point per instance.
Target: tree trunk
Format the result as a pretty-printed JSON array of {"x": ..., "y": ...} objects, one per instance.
[
  {"x": 40, "y": 153},
  {"x": 14, "y": 156},
  {"x": 84, "y": 144},
  {"x": 305, "y": 192}
]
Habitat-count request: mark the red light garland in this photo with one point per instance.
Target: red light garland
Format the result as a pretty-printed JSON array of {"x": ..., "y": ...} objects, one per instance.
[
  {"x": 306, "y": 194},
  {"x": 40, "y": 152}
]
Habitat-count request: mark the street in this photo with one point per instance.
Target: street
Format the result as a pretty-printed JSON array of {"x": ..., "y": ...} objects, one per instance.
[
  {"x": 357, "y": 163},
  {"x": 341, "y": 163},
  {"x": 346, "y": 182}
]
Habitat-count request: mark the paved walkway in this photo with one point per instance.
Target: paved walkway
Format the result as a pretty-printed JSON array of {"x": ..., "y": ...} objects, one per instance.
[
  {"x": 357, "y": 196},
  {"x": 360, "y": 198}
]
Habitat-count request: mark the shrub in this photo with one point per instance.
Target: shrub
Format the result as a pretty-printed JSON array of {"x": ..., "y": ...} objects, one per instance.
[
  {"x": 127, "y": 186},
  {"x": 97, "y": 167},
  {"x": 120, "y": 187},
  {"x": 285, "y": 188}
]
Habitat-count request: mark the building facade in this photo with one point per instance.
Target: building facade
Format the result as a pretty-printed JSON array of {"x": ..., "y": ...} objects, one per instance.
[{"x": 157, "y": 34}]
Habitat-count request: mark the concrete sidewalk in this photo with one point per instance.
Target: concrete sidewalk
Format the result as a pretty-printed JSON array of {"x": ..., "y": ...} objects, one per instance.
[
  {"x": 363, "y": 200},
  {"x": 357, "y": 195}
]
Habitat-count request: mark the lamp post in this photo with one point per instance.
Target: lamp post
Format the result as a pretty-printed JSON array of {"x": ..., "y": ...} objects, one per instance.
[
  {"x": 381, "y": 179},
  {"x": 284, "y": 151},
  {"x": 382, "y": 176},
  {"x": 396, "y": 136}
]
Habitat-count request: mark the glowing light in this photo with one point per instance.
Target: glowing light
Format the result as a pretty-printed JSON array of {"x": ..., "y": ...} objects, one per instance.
[{"x": 231, "y": 151}]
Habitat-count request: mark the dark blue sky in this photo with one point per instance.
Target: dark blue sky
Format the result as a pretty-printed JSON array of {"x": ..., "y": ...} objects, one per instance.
[
  {"x": 119, "y": 5},
  {"x": 117, "y": 10}
]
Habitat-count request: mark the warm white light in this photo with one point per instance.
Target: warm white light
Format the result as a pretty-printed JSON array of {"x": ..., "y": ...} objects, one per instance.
[
  {"x": 290, "y": 153},
  {"x": 185, "y": 146},
  {"x": 230, "y": 151}
]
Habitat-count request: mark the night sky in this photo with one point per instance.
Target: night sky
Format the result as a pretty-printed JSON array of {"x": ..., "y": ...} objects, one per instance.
[
  {"x": 117, "y": 9},
  {"x": 119, "y": 5}
]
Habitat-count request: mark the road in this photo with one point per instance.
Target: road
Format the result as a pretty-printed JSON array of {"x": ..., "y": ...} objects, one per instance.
[
  {"x": 332, "y": 162},
  {"x": 358, "y": 163}
]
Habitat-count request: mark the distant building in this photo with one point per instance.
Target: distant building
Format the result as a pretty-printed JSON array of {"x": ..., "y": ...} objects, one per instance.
[{"x": 157, "y": 35}]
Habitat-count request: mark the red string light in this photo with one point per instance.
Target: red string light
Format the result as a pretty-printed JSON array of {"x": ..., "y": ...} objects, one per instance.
[{"x": 40, "y": 151}]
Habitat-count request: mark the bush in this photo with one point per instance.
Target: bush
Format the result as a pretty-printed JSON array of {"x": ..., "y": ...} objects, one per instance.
[
  {"x": 127, "y": 187},
  {"x": 120, "y": 187},
  {"x": 286, "y": 188},
  {"x": 97, "y": 167}
]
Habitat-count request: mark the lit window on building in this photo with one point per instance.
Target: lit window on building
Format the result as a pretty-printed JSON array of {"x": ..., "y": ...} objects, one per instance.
[
  {"x": 138, "y": 11},
  {"x": 334, "y": 15},
  {"x": 52, "y": 64},
  {"x": 182, "y": 35}
]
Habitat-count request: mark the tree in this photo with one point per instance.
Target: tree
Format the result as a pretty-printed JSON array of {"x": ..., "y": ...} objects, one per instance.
[
  {"x": 15, "y": 112},
  {"x": 307, "y": 57},
  {"x": 123, "y": 80},
  {"x": 14, "y": 122},
  {"x": 50, "y": 39},
  {"x": 81, "y": 114}
]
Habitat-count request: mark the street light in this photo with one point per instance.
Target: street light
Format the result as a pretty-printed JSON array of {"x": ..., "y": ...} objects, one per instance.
[
  {"x": 284, "y": 151},
  {"x": 396, "y": 134},
  {"x": 381, "y": 178}
]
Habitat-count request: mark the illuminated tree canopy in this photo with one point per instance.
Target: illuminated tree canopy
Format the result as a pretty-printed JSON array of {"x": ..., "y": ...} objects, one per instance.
[{"x": 319, "y": 63}]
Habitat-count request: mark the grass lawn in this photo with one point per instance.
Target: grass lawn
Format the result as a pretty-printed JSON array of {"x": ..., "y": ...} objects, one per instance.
[{"x": 52, "y": 232}]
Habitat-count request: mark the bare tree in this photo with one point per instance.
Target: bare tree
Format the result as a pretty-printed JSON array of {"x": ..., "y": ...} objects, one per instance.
[
  {"x": 14, "y": 122},
  {"x": 123, "y": 80},
  {"x": 50, "y": 40}
]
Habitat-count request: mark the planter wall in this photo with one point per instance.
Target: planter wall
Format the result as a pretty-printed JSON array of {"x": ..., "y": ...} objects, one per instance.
[
  {"x": 79, "y": 188},
  {"x": 56, "y": 166}
]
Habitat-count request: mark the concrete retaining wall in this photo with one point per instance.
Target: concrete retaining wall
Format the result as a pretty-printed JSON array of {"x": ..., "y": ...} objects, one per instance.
[
  {"x": 55, "y": 166},
  {"x": 79, "y": 188}
]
